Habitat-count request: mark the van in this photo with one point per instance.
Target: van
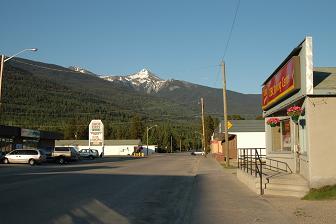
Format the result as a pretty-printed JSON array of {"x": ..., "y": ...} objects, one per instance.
[{"x": 31, "y": 156}]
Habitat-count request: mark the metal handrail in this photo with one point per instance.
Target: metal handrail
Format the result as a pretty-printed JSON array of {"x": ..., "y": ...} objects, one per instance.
[
  {"x": 259, "y": 171},
  {"x": 277, "y": 165},
  {"x": 253, "y": 162}
]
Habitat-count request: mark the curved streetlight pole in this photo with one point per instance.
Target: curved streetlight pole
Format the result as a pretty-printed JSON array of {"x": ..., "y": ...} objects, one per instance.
[
  {"x": 28, "y": 49},
  {"x": 3, "y": 60},
  {"x": 147, "y": 136}
]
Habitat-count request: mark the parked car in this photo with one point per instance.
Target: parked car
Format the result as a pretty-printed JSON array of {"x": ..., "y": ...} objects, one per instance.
[
  {"x": 88, "y": 153},
  {"x": 47, "y": 152},
  {"x": 2, "y": 156},
  {"x": 195, "y": 153},
  {"x": 64, "y": 154},
  {"x": 31, "y": 156}
]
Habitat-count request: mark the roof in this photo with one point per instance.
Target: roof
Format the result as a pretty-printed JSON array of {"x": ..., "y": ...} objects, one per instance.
[
  {"x": 324, "y": 80},
  {"x": 294, "y": 52},
  {"x": 123, "y": 142},
  {"x": 71, "y": 142},
  {"x": 244, "y": 126},
  {"x": 11, "y": 131},
  {"x": 106, "y": 142}
]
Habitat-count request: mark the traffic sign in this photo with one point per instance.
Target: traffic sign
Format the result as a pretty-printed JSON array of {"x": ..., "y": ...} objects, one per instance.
[{"x": 229, "y": 125}]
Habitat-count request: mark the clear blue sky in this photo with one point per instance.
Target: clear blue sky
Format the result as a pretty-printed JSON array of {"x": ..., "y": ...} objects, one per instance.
[{"x": 179, "y": 39}]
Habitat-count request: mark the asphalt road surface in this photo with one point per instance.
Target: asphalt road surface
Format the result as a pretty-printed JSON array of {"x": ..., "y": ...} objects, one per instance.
[
  {"x": 109, "y": 190},
  {"x": 164, "y": 188}
]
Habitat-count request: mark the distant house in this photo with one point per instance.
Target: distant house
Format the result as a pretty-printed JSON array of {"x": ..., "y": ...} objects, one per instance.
[
  {"x": 111, "y": 147},
  {"x": 242, "y": 134}
]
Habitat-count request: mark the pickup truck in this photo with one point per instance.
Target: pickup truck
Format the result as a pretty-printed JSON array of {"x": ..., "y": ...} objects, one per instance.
[{"x": 63, "y": 154}]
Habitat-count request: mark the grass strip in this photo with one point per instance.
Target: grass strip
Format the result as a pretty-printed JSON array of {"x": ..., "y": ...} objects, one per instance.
[{"x": 323, "y": 193}]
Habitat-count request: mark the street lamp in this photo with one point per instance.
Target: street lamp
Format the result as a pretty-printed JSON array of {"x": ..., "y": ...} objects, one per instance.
[
  {"x": 3, "y": 60},
  {"x": 28, "y": 49},
  {"x": 147, "y": 135}
]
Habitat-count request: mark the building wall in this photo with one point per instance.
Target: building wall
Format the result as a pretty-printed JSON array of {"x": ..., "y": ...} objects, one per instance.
[
  {"x": 216, "y": 146},
  {"x": 321, "y": 125},
  {"x": 109, "y": 150},
  {"x": 250, "y": 139},
  {"x": 118, "y": 150},
  {"x": 244, "y": 140}
]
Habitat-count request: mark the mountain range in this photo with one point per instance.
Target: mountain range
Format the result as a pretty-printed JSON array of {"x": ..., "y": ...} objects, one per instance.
[
  {"x": 144, "y": 81},
  {"x": 35, "y": 91}
]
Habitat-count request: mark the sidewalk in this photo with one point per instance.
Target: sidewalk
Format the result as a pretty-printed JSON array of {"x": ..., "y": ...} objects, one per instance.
[{"x": 218, "y": 197}]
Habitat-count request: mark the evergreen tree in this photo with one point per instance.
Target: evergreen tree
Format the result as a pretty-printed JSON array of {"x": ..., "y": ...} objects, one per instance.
[{"x": 136, "y": 129}]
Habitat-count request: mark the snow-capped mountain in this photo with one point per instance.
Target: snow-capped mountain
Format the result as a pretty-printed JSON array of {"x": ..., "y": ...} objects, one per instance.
[
  {"x": 81, "y": 70},
  {"x": 186, "y": 93},
  {"x": 144, "y": 80}
]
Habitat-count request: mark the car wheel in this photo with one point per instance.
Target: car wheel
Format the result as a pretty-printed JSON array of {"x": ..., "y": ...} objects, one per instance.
[
  {"x": 61, "y": 160},
  {"x": 32, "y": 162},
  {"x": 5, "y": 161}
]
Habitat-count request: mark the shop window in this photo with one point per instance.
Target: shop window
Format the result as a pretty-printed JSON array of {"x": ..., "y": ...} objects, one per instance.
[
  {"x": 30, "y": 143},
  {"x": 281, "y": 137},
  {"x": 6, "y": 145}
]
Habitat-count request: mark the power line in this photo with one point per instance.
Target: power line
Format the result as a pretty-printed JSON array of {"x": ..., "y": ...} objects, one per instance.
[
  {"x": 47, "y": 68},
  {"x": 231, "y": 30}
]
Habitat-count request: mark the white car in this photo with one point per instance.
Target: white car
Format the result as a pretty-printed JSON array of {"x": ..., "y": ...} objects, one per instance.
[
  {"x": 31, "y": 156},
  {"x": 195, "y": 153}
]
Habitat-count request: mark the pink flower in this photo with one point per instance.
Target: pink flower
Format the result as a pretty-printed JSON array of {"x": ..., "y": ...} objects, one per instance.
[
  {"x": 294, "y": 111},
  {"x": 273, "y": 121}
]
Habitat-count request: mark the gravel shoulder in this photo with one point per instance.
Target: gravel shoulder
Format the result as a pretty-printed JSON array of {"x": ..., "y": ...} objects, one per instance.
[{"x": 302, "y": 211}]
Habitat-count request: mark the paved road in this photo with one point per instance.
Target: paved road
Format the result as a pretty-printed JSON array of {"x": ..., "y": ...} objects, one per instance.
[
  {"x": 147, "y": 190},
  {"x": 176, "y": 188}
]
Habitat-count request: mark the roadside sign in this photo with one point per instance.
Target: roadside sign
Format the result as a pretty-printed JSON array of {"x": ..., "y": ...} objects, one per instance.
[{"x": 229, "y": 125}]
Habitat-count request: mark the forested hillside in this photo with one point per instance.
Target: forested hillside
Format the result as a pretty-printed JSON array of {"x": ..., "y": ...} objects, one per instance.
[{"x": 49, "y": 97}]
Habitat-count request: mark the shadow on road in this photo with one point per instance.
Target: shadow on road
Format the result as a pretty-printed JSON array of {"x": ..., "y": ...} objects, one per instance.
[{"x": 96, "y": 198}]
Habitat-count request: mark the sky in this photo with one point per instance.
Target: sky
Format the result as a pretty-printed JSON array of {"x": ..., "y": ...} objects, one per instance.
[{"x": 175, "y": 39}]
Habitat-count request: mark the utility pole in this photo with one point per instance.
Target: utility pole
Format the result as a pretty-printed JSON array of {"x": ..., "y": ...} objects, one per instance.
[
  {"x": 147, "y": 129},
  {"x": 203, "y": 128},
  {"x": 180, "y": 144},
  {"x": 226, "y": 135},
  {"x": 171, "y": 144},
  {"x": 1, "y": 72}
]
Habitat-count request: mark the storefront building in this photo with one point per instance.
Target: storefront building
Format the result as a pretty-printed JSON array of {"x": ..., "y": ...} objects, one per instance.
[
  {"x": 21, "y": 138},
  {"x": 307, "y": 143}
]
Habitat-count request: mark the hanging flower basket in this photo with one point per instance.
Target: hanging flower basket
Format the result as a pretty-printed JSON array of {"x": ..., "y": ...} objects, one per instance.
[
  {"x": 294, "y": 112},
  {"x": 273, "y": 121}
]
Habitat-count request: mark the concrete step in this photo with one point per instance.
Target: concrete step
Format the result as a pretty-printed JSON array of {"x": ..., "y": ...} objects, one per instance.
[
  {"x": 287, "y": 185},
  {"x": 289, "y": 179},
  {"x": 298, "y": 194}
]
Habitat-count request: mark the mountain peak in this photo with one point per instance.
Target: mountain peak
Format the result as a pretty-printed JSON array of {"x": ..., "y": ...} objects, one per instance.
[
  {"x": 142, "y": 80},
  {"x": 80, "y": 70},
  {"x": 145, "y": 75},
  {"x": 145, "y": 70}
]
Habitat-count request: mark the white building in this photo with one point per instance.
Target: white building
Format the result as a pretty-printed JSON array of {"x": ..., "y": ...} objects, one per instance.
[
  {"x": 111, "y": 147},
  {"x": 243, "y": 134}
]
